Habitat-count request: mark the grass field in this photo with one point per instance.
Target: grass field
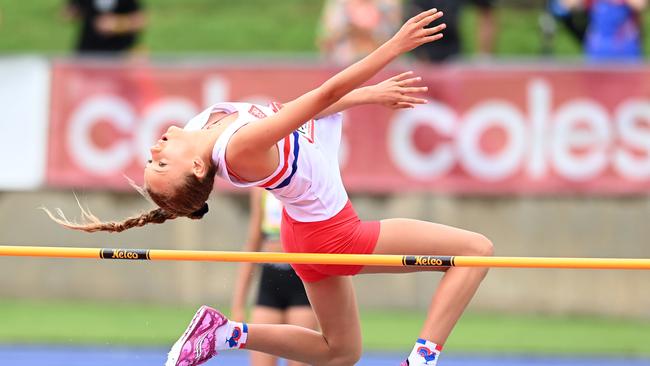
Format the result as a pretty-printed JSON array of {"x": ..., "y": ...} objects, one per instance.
[
  {"x": 88, "y": 323},
  {"x": 225, "y": 26}
]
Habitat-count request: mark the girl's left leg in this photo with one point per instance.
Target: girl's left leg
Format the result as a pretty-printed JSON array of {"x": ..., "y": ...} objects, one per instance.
[
  {"x": 339, "y": 341},
  {"x": 458, "y": 285}
]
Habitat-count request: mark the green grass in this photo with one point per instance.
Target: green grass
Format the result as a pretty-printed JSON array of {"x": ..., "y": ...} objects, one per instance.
[
  {"x": 225, "y": 26},
  {"x": 57, "y": 322},
  {"x": 174, "y": 26}
]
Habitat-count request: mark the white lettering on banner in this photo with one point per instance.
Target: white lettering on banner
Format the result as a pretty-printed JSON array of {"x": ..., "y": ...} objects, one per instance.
[
  {"x": 215, "y": 90},
  {"x": 84, "y": 152},
  {"x": 122, "y": 116},
  {"x": 539, "y": 105},
  {"x": 581, "y": 125},
  {"x": 630, "y": 131},
  {"x": 578, "y": 140},
  {"x": 139, "y": 130},
  {"x": 477, "y": 121},
  {"x": 404, "y": 153}
]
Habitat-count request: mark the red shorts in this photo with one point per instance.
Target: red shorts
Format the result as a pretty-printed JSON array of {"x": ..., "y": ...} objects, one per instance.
[{"x": 343, "y": 233}]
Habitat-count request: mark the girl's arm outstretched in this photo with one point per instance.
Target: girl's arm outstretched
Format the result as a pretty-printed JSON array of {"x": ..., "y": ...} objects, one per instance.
[
  {"x": 395, "y": 93},
  {"x": 255, "y": 140}
]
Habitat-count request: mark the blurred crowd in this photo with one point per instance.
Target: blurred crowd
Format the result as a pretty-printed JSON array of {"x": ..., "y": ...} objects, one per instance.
[
  {"x": 106, "y": 26},
  {"x": 351, "y": 28},
  {"x": 606, "y": 30}
]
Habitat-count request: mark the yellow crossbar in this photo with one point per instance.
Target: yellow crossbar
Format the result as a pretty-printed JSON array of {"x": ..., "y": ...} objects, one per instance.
[{"x": 317, "y": 258}]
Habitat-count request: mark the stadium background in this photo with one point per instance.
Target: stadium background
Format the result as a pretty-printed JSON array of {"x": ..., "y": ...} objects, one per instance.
[{"x": 198, "y": 50}]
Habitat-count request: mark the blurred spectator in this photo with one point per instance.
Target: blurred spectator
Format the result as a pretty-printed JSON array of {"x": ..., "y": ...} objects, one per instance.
[
  {"x": 107, "y": 26},
  {"x": 574, "y": 17},
  {"x": 450, "y": 45},
  {"x": 614, "y": 30},
  {"x": 350, "y": 29}
]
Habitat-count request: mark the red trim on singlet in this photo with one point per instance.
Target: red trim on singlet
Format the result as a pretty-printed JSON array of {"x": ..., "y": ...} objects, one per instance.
[
  {"x": 230, "y": 172},
  {"x": 287, "y": 148},
  {"x": 275, "y": 106}
]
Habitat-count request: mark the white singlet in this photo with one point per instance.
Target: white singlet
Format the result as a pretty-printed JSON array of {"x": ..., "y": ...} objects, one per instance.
[{"x": 307, "y": 180}]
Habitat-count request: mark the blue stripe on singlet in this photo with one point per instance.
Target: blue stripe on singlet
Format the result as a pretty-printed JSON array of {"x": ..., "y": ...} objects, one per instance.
[{"x": 294, "y": 165}]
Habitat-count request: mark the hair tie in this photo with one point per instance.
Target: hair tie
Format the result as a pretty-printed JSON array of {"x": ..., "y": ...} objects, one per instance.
[{"x": 198, "y": 214}]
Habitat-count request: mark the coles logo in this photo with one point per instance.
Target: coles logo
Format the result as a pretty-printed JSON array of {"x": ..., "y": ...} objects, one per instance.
[
  {"x": 539, "y": 134},
  {"x": 577, "y": 140}
]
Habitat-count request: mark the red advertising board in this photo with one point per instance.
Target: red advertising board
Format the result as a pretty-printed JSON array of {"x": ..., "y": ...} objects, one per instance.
[{"x": 485, "y": 130}]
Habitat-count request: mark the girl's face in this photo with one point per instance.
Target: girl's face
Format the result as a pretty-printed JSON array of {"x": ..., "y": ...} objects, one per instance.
[{"x": 171, "y": 161}]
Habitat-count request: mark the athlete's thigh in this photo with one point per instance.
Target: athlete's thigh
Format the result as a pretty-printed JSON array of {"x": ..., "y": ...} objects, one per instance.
[
  {"x": 407, "y": 236},
  {"x": 335, "y": 305}
]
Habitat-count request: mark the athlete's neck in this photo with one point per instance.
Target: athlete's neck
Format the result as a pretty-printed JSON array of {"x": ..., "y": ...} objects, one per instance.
[{"x": 214, "y": 127}]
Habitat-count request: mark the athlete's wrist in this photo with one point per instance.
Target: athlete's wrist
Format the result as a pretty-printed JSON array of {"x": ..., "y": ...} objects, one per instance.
[
  {"x": 392, "y": 48},
  {"x": 360, "y": 96}
]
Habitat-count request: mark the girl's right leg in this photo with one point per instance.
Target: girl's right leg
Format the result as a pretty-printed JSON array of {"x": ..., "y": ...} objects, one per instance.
[
  {"x": 302, "y": 316},
  {"x": 265, "y": 315},
  {"x": 339, "y": 343}
]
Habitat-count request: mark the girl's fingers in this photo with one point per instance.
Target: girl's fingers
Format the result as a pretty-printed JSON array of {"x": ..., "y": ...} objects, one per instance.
[
  {"x": 434, "y": 30},
  {"x": 423, "y": 15},
  {"x": 429, "y": 18},
  {"x": 413, "y": 90},
  {"x": 412, "y": 100},
  {"x": 401, "y": 76},
  {"x": 402, "y": 105},
  {"x": 432, "y": 38},
  {"x": 411, "y": 81}
]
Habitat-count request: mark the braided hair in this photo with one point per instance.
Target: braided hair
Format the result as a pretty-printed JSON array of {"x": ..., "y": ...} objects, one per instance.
[{"x": 188, "y": 200}]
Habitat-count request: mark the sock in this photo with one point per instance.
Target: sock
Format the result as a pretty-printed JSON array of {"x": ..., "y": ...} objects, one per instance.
[
  {"x": 232, "y": 335},
  {"x": 424, "y": 353}
]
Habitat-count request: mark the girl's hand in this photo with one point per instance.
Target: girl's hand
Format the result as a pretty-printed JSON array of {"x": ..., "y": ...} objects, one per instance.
[
  {"x": 413, "y": 33},
  {"x": 396, "y": 92}
]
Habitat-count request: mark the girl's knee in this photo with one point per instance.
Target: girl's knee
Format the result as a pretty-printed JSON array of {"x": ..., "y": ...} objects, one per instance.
[
  {"x": 480, "y": 245},
  {"x": 348, "y": 359},
  {"x": 344, "y": 356}
]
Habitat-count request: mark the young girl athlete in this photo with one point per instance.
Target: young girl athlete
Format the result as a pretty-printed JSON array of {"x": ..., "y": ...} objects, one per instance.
[{"x": 249, "y": 145}]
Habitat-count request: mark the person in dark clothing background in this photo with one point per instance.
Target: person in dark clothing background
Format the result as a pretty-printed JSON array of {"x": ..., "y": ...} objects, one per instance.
[
  {"x": 107, "y": 26},
  {"x": 450, "y": 46}
]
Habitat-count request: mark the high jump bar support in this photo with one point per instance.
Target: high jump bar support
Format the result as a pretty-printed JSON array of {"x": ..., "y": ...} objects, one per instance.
[{"x": 430, "y": 261}]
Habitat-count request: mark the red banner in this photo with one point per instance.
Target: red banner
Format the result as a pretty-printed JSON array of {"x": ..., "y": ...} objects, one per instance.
[{"x": 498, "y": 130}]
